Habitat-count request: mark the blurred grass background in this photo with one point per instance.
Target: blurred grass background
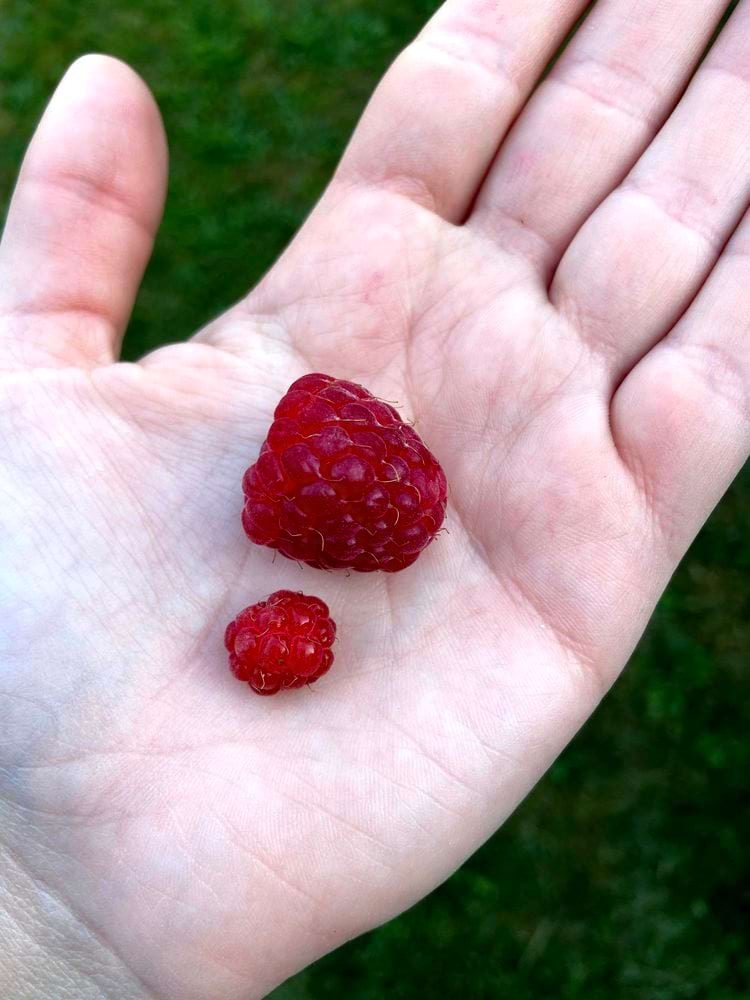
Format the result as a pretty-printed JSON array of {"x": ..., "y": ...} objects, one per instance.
[{"x": 626, "y": 873}]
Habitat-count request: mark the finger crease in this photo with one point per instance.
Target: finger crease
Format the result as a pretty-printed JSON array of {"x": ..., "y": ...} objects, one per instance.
[{"x": 97, "y": 193}]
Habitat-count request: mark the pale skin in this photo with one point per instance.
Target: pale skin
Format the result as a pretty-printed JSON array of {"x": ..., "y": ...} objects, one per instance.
[{"x": 554, "y": 286}]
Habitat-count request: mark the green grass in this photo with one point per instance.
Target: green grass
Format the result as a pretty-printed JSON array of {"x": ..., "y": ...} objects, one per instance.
[{"x": 626, "y": 873}]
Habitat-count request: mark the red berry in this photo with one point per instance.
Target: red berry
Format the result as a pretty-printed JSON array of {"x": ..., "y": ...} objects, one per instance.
[
  {"x": 342, "y": 482},
  {"x": 282, "y": 642}
]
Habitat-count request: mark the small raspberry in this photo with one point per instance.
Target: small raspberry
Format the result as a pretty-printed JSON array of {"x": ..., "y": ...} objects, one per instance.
[
  {"x": 282, "y": 642},
  {"x": 342, "y": 482}
]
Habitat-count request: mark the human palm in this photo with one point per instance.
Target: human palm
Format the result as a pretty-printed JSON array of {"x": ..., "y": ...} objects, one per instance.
[{"x": 561, "y": 324}]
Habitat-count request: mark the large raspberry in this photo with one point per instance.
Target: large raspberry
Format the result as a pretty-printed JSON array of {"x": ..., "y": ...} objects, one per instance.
[
  {"x": 342, "y": 482},
  {"x": 282, "y": 642}
]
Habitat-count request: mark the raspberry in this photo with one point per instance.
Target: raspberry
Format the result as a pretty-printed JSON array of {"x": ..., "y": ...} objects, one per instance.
[
  {"x": 342, "y": 482},
  {"x": 282, "y": 642}
]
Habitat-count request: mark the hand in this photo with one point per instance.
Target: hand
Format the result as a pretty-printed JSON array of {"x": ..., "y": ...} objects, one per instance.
[{"x": 566, "y": 322}]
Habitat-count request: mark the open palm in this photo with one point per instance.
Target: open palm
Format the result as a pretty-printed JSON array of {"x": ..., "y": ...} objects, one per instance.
[{"x": 553, "y": 287}]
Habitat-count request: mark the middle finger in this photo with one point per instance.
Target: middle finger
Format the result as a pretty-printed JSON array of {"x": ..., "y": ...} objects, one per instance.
[{"x": 592, "y": 117}]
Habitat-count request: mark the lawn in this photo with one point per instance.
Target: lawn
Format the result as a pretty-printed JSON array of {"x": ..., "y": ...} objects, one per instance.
[{"x": 626, "y": 874}]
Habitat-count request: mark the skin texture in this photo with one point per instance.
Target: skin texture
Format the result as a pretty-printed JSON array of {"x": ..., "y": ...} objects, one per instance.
[{"x": 553, "y": 284}]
